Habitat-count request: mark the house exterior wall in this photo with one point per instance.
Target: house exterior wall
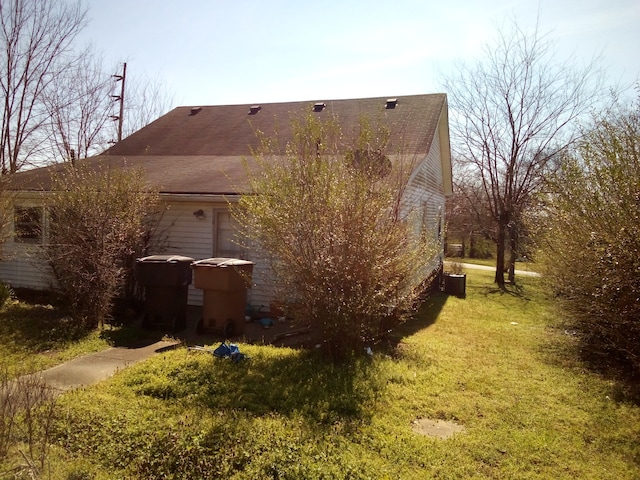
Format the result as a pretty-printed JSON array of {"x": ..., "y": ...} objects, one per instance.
[
  {"x": 25, "y": 267},
  {"x": 423, "y": 202},
  {"x": 183, "y": 233},
  {"x": 192, "y": 237},
  {"x": 23, "y": 264},
  {"x": 180, "y": 232}
]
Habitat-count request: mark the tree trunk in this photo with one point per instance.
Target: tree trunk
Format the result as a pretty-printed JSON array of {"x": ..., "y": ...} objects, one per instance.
[
  {"x": 513, "y": 243},
  {"x": 500, "y": 244}
]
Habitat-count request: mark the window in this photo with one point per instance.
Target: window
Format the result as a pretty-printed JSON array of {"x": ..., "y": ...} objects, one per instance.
[
  {"x": 28, "y": 224},
  {"x": 224, "y": 238}
]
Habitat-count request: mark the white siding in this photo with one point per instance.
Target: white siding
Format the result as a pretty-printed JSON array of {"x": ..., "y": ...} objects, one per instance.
[
  {"x": 181, "y": 233},
  {"x": 263, "y": 290},
  {"x": 23, "y": 265},
  {"x": 424, "y": 200}
]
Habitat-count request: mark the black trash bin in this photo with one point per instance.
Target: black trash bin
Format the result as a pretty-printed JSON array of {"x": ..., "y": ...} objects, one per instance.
[
  {"x": 166, "y": 280},
  {"x": 455, "y": 284}
]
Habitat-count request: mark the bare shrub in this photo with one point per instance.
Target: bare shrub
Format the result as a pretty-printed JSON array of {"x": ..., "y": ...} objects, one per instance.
[
  {"x": 591, "y": 237},
  {"x": 345, "y": 259},
  {"x": 27, "y": 412},
  {"x": 100, "y": 219}
]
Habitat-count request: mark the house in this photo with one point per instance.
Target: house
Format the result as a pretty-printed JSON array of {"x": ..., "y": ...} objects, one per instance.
[{"x": 196, "y": 155}]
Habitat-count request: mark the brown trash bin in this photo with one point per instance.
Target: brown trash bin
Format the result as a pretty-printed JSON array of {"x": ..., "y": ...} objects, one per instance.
[
  {"x": 166, "y": 280},
  {"x": 224, "y": 282}
]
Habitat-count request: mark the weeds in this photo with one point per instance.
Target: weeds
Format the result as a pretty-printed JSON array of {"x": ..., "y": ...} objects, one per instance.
[
  {"x": 27, "y": 410},
  {"x": 6, "y": 294},
  {"x": 35, "y": 336},
  {"x": 494, "y": 362}
]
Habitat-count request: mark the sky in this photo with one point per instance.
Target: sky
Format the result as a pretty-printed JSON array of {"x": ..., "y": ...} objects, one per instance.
[{"x": 220, "y": 52}]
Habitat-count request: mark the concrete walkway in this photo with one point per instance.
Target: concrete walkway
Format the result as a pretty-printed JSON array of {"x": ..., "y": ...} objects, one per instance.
[{"x": 95, "y": 367}]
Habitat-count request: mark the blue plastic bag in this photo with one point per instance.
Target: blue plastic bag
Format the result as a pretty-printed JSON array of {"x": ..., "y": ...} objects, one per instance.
[
  {"x": 222, "y": 351},
  {"x": 231, "y": 350}
]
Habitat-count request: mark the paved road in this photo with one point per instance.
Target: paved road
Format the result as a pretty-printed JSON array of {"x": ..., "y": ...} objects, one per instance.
[{"x": 473, "y": 266}]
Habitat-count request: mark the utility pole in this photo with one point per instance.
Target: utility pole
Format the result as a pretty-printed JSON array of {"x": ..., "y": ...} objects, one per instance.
[{"x": 120, "y": 98}]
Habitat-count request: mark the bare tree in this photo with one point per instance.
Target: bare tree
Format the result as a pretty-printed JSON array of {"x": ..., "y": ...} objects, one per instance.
[
  {"x": 37, "y": 39},
  {"x": 58, "y": 100},
  {"x": 467, "y": 214},
  {"x": 84, "y": 107},
  {"x": 513, "y": 112},
  {"x": 146, "y": 100},
  {"x": 80, "y": 105}
]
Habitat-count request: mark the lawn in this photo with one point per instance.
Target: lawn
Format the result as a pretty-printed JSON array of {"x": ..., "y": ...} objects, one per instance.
[
  {"x": 493, "y": 363},
  {"x": 36, "y": 333}
]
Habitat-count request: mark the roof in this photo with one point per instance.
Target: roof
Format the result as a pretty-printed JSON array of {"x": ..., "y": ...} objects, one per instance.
[{"x": 205, "y": 149}]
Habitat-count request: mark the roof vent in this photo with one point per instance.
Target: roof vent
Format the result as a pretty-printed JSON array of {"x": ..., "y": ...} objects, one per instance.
[
  {"x": 391, "y": 103},
  {"x": 253, "y": 109},
  {"x": 318, "y": 107},
  {"x": 195, "y": 110}
]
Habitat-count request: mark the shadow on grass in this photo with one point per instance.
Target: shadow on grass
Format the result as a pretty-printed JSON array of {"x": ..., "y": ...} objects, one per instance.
[
  {"x": 39, "y": 322},
  {"x": 38, "y": 328},
  {"x": 623, "y": 378},
  {"x": 569, "y": 350},
  {"x": 515, "y": 290},
  {"x": 426, "y": 316},
  {"x": 131, "y": 336},
  {"x": 299, "y": 382}
]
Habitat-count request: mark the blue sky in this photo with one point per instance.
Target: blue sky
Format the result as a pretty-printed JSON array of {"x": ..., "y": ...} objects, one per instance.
[{"x": 212, "y": 52}]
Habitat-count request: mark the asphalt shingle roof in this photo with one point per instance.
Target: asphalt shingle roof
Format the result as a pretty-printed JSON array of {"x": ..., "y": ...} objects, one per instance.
[{"x": 204, "y": 149}]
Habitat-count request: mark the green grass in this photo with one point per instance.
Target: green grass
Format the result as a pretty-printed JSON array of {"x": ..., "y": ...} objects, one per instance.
[
  {"x": 37, "y": 335},
  {"x": 493, "y": 362}
]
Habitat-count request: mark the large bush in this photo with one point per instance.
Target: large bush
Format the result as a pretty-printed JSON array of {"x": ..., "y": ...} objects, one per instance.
[
  {"x": 326, "y": 210},
  {"x": 100, "y": 219},
  {"x": 593, "y": 240}
]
